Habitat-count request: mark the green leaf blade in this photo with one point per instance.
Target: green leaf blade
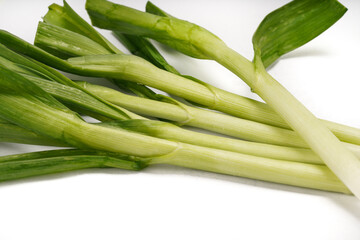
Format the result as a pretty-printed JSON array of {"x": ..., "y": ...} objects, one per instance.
[
  {"x": 293, "y": 25},
  {"x": 18, "y": 45},
  {"x": 55, "y": 161},
  {"x": 63, "y": 43},
  {"x": 152, "y": 8},
  {"x": 66, "y": 17}
]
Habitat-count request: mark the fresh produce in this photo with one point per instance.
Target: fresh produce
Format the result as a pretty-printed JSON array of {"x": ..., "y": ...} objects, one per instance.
[
  {"x": 77, "y": 97},
  {"x": 306, "y": 17},
  {"x": 36, "y": 100},
  {"x": 27, "y": 105}
]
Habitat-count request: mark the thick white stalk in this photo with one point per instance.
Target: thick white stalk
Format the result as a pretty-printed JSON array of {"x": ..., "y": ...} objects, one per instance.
[
  {"x": 236, "y": 164},
  {"x": 201, "y": 118},
  {"x": 157, "y": 151},
  {"x": 340, "y": 160}
]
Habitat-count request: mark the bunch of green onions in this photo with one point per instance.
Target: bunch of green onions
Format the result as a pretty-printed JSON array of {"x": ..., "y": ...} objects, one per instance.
[{"x": 279, "y": 141}]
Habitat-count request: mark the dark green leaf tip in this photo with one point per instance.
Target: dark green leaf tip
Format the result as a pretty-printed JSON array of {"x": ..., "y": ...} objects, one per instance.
[{"x": 152, "y": 8}]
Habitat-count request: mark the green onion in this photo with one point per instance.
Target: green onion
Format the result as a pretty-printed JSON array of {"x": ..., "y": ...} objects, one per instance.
[
  {"x": 231, "y": 102},
  {"x": 191, "y": 116},
  {"x": 344, "y": 133},
  {"x": 44, "y": 115},
  {"x": 198, "y": 118},
  {"x": 27, "y": 105},
  {"x": 197, "y": 42},
  {"x": 234, "y": 127},
  {"x": 79, "y": 99}
]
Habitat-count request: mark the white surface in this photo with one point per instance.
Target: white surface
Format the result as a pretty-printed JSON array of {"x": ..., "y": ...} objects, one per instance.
[{"x": 175, "y": 203}]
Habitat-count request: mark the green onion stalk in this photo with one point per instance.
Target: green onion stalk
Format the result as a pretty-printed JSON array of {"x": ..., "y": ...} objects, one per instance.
[
  {"x": 78, "y": 98},
  {"x": 25, "y": 104},
  {"x": 307, "y": 17},
  {"x": 62, "y": 89}
]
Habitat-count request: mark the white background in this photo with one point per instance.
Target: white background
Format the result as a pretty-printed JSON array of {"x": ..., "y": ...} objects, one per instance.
[{"x": 166, "y": 202}]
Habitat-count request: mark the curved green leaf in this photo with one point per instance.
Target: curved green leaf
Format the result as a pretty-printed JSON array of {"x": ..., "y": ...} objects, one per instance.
[{"x": 293, "y": 25}]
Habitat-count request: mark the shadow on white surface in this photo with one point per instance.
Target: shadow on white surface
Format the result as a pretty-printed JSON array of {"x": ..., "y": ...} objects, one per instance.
[
  {"x": 301, "y": 53},
  {"x": 58, "y": 176},
  {"x": 346, "y": 202}
]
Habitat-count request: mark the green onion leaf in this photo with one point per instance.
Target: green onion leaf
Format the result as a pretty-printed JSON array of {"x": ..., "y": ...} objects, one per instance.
[
  {"x": 293, "y": 25},
  {"x": 67, "y": 18},
  {"x": 152, "y": 8},
  {"x": 64, "y": 160},
  {"x": 47, "y": 33}
]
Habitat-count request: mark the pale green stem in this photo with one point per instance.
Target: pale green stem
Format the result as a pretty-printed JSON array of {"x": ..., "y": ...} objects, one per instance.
[
  {"x": 208, "y": 159},
  {"x": 340, "y": 160},
  {"x": 285, "y": 172},
  {"x": 171, "y": 132},
  {"x": 196, "y": 117},
  {"x": 220, "y": 123},
  {"x": 138, "y": 70}
]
